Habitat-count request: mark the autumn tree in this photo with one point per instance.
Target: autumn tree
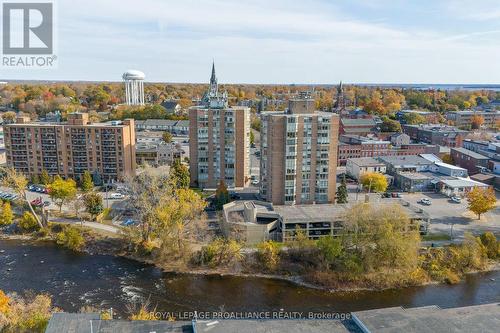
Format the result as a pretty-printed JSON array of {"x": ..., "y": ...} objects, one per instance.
[
  {"x": 9, "y": 117},
  {"x": 18, "y": 182},
  {"x": 476, "y": 121},
  {"x": 414, "y": 118},
  {"x": 44, "y": 177},
  {"x": 7, "y": 214},
  {"x": 167, "y": 137},
  {"x": 373, "y": 182},
  {"x": 221, "y": 195},
  {"x": 390, "y": 125},
  {"x": 87, "y": 183},
  {"x": 28, "y": 222},
  {"x": 179, "y": 175},
  {"x": 93, "y": 204},
  {"x": 268, "y": 253},
  {"x": 342, "y": 194},
  {"x": 448, "y": 159},
  {"x": 62, "y": 191},
  {"x": 481, "y": 200}
]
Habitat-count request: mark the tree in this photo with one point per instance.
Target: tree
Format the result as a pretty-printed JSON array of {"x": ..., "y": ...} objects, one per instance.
[
  {"x": 87, "y": 183},
  {"x": 330, "y": 248},
  {"x": 342, "y": 192},
  {"x": 269, "y": 254},
  {"x": 389, "y": 125},
  {"x": 481, "y": 200},
  {"x": 7, "y": 215},
  {"x": 252, "y": 138},
  {"x": 414, "y": 118},
  {"x": 373, "y": 182},
  {"x": 44, "y": 177},
  {"x": 18, "y": 182},
  {"x": 71, "y": 237},
  {"x": 476, "y": 121},
  {"x": 28, "y": 222},
  {"x": 491, "y": 244},
  {"x": 167, "y": 137},
  {"x": 179, "y": 175},
  {"x": 221, "y": 195},
  {"x": 77, "y": 205},
  {"x": 62, "y": 191},
  {"x": 93, "y": 204},
  {"x": 448, "y": 159},
  {"x": 9, "y": 117}
]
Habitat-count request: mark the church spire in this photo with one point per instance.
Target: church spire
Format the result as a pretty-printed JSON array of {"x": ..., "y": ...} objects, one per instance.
[{"x": 213, "y": 78}]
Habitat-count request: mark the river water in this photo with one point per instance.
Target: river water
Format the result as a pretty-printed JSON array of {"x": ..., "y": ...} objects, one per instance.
[{"x": 104, "y": 281}]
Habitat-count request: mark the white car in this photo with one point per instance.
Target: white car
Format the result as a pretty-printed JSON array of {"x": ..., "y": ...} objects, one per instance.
[
  {"x": 255, "y": 182},
  {"x": 425, "y": 201},
  {"x": 456, "y": 199},
  {"x": 116, "y": 196}
]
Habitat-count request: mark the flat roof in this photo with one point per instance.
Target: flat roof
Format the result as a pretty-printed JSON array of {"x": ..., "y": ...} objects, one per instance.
[
  {"x": 415, "y": 175},
  {"x": 277, "y": 326},
  {"x": 470, "y": 153},
  {"x": 402, "y": 161},
  {"x": 358, "y": 121},
  {"x": 462, "y": 182},
  {"x": 432, "y": 319},
  {"x": 365, "y": 161}
]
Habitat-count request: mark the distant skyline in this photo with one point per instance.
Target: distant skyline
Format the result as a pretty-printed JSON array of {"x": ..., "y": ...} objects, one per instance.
[{"x": 281, "y": 41}]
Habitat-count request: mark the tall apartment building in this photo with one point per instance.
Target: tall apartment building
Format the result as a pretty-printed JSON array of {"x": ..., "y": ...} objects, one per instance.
[
  {"x": 219, "y": 141},
  {"x": 106, "y": 150},
  {"x": 299, "y": 155}
]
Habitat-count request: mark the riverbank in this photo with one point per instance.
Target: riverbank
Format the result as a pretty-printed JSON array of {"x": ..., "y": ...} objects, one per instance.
[{"x": 97, "y": 245}]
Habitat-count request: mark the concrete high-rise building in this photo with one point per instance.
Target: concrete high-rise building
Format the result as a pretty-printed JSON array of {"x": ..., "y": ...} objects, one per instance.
[
  {"x": 298, "y": 155},
  {"x": 134, "y": 87},
  {"x": 106, "y": 150},
  {"x": 219, "y": 141}
]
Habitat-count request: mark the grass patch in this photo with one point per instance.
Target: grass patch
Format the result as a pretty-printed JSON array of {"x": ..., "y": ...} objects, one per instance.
[{"x": 436, "y": 237}]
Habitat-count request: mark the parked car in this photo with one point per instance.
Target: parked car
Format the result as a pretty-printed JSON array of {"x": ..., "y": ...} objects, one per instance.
[
  {"x": 396, "y": 195},
  {"x": 456, "y": 199},
  {"x": 116, "y": 196},
  {"x": 128, "y": 223},
  {"x": 425, "y": 201},
  {"x": 255, "y": 182}
]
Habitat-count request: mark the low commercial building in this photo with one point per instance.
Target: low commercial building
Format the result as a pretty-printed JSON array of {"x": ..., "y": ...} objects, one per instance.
[
  {"x": 442, "y": 135},
  {"x": 254, "y": 221},
  {"x": 470, "y": 160},
  {"x": 158, "y": 154},
  {"x": 357, "y": 126},
  {"x": 399, "y": 139},
  {"x": 355, "y": 167},
  {"x": 463, "y": 119},
  {"x": 176, "y": 127}
]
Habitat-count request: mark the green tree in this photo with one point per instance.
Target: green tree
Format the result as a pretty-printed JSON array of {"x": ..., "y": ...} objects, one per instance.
[
  {"x": 44, "y": 177},
  {"x": 481, "y": 200},
  {"x": 342, "y": 194},
  {"x": 179, "y": 175},
  {"x": 62, "y": 191},
  {"x": 87, "y": 182},
  {"x": 35, "y": 179},
  {"x": 330, "y": 249},
  {"x": 221, "y": 195},
  {"x": 167, "y": 137},
  {"x": 390, "y": 125},
  {"x": 28, "y": 222},
  {"x": 373, "y": 182},
  {"x": 7, "y": 215},
  {"x": 93, "y": 204},
  {"x": 413, "y": 118},
  {"x": 252, "y": 138}
]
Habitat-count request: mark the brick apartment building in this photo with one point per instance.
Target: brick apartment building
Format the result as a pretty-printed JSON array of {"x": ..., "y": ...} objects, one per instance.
[
  {"x": 469, "y": 160},
  {"x": 441, "y": 135},
  {"x": 299, "y": 155},
  {"x": 463, "y": 119},
  {"x": 107, "y": 150},
  {"x": 219, "y": 141}
]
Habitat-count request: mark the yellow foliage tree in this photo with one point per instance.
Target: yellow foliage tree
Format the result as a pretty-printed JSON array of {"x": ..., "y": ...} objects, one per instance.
[
  {"x": 481, "y": 200},
  {"x": 373, "y": 182}
]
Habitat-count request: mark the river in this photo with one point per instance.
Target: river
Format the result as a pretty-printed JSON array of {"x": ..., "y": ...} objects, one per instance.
[{"x": 104, "y": 281}]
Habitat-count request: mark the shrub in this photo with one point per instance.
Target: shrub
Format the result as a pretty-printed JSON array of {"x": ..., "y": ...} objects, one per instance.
[
  {"x": 268, "y": 254},
  {"x": 219, "y": 252},
  {"x": 71, "y": 237},
  {"x": 491, "y": 244},
  {"x": 30, "y": 313},
  {"x": 28, "y": 222},
  {"x": 7, "y": 215}
]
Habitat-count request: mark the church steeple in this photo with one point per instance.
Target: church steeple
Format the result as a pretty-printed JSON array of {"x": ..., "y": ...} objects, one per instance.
[{"x": 213, "y": 78}]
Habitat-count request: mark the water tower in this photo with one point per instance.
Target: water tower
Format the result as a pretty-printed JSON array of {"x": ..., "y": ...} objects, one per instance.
[{"x": 134, "y": 87}]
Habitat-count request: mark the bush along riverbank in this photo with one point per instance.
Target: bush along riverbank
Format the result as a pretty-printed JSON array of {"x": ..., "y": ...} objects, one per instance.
[{"x": 377, "y": 252}]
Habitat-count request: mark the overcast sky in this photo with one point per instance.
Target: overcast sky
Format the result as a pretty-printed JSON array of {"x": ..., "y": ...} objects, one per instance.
[{"x": 277, "y": 41}]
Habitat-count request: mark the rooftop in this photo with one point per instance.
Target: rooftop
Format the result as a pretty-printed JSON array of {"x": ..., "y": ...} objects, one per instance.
[
  {"x": 402, "y": 161},
  {"x": 366, "y": 161},
  {"x": 470, "y": 153},
  {"x": 357, "y": 121}
]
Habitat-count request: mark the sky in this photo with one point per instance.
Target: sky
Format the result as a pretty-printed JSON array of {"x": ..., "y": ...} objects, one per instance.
[{"x": 276, "y": 41}]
